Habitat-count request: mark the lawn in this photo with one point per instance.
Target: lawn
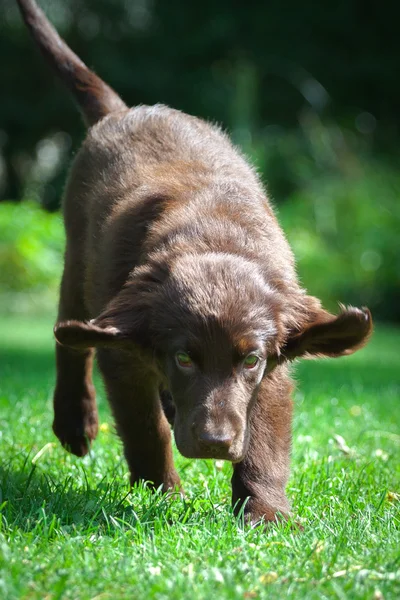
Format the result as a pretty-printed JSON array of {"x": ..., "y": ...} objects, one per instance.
[{"x": 71, "y": 528}]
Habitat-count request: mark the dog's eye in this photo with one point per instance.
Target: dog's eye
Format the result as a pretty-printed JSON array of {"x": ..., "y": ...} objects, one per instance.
[
  {"x": 183, "y": 359},
  {"x": 250, "y": 361}
]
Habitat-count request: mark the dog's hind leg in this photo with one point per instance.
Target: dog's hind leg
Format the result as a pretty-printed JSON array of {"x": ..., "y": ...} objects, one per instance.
[
  {"x": 75, "y": 412},
  {"x": 134, "y": 397}
]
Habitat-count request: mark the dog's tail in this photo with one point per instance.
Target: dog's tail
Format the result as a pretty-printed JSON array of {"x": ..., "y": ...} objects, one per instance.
[{"x": 95, "y": 98}]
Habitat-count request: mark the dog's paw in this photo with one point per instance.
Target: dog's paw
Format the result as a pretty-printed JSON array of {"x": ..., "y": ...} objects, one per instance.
[
  {"x": 260, "y": 514},
  {"x": 169, "y": 482},
  {"x": 76, "y": 435}
]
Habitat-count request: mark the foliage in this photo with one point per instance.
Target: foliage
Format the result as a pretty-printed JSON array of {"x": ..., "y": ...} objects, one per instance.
[
  {"x": 343, "y": 229},
  {"x": 31, "y": 248},
  {"x": 345, "y": 235},
  {"x": 341, "y": 212},
  {"x": 322, "y": 129},
  {"x": 247, "y": 65},
  {"x": 69, "y": 528}
]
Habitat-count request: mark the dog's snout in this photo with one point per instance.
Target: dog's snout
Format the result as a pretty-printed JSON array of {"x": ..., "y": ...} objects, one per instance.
[{"x": 219, "y": 440}]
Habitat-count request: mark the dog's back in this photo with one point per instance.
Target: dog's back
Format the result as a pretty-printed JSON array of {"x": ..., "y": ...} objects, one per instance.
[{"x": 151, "y": 177}]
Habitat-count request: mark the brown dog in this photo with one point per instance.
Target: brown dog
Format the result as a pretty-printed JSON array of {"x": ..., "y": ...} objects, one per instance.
[{"x": 177, "y": 271}]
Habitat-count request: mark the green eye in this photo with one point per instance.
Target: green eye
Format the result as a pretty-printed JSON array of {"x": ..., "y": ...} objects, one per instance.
[
  {"x": 250, "y": 361},
  {"x": 183, "y": 359}
]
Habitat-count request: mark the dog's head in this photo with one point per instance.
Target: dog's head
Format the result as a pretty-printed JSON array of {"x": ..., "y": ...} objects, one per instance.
[{"x": 216, "y": 328}]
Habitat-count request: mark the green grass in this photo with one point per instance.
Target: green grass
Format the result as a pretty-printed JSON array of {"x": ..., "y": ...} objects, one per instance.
[{"x": 70, "y": 528}]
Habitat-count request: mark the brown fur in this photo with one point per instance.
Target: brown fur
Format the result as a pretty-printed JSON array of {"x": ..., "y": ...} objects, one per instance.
[{"x": 172, "y": 246}]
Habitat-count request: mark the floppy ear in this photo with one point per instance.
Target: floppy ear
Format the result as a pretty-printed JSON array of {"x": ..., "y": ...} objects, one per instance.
[
  {"x": 80, "y": 335},
  {"x": 123, "y": 324},
  {"x": 329, "y": 335}
]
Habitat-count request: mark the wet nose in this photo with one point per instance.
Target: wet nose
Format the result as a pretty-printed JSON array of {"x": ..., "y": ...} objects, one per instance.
[{"x": 215, "y": 440}]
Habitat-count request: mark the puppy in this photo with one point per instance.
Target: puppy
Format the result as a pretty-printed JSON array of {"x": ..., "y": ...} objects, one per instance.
[{"x": 177, "y": 272}]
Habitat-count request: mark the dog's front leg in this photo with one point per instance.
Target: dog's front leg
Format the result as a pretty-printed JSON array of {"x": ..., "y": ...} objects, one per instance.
[
  {"x": 133, "y": 393},
  {"x": 260, "y": 479},
  {"x": 75, "y": 411}
]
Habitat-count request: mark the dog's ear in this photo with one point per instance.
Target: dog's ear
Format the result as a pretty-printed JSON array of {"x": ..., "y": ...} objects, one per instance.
[
  {"x": 80, "y": 335},
  {"x": 123, "y": 324},
  {"x": 328, "y": 335}
]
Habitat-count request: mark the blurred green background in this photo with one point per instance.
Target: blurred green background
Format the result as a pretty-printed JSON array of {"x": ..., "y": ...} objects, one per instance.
[{"x": 310, "y": 91}]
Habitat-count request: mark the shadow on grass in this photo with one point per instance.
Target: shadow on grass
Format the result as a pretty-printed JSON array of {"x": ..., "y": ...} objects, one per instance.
[
  {"x": 36, "y": 364},
  {"x": 335, "y": 373},
  {"x": 33, "y": 502},
  {"x": 24, "y": 369}
]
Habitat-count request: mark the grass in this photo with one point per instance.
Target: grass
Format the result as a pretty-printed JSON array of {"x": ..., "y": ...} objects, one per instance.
[{"x": 70, "y": 528}]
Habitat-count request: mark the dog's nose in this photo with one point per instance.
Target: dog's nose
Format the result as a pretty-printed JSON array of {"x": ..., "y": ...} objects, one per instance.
[{"x": 215, "y": 440}]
